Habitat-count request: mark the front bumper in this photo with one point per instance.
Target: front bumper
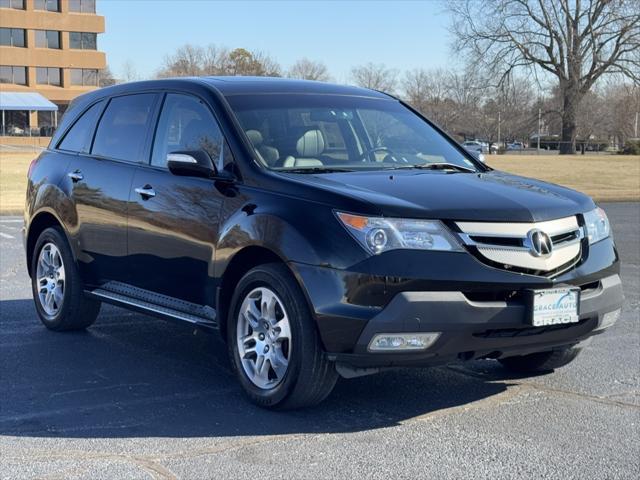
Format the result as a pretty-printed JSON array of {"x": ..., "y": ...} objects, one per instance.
[
  {"x": 481, "y": 311},
  {"x": 477, "y": 329}
]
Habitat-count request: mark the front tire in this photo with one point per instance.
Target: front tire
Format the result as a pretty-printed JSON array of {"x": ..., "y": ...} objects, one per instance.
[
  {"x": 540, "y": 362},
  {"x": 273, "y": 342},
  {"x": 57, "y": 289}
]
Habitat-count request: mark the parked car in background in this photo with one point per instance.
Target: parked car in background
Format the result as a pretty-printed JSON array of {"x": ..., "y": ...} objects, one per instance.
[
  {"x": 323, "y": 230},
  {"x": 474, "y": 146},
  {"x": 515, "y": 146}
]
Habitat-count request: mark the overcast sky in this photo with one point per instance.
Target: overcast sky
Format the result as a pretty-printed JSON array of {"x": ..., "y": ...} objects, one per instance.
[{"x": 400, "y": 34}]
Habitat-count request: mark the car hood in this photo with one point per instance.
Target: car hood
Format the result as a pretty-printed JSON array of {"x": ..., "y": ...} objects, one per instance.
[{"x": 488, "y": 196}]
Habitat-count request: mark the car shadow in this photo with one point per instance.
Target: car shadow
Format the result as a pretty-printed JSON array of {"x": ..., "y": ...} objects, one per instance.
[{"x": 130, "y": 375}]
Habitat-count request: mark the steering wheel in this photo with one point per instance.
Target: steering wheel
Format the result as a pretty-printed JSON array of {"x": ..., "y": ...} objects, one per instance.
[{"x": 363, "y": 156}]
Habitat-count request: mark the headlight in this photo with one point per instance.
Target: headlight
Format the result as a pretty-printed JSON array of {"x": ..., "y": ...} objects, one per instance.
[
  {"x": 377, "y": 234},
  {"x": 597, "y": 225}
]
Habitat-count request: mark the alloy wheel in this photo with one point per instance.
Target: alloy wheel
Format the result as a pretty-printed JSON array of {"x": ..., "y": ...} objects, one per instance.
[
  {"x": 264, "y": 338},
  {"x": 50, "y": 278}
]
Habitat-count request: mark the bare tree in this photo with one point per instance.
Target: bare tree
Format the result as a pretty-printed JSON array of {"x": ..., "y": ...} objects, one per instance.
[
  {"x": 190, "y": 60},
  {"x": 309, "y": 70},
  {"x": 187, "y": 61},
  {"x": 375, "y": 76},
  {"x": 574, "y": 41},
  {"x": 105, "y": 77},
  {"x": 129, "y": 72}
]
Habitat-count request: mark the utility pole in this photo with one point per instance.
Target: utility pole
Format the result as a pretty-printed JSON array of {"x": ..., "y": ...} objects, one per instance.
[
  {"x": 499, "y": 126},
  {"x": 539, "y": 127},
  {"x": 635, "y": 128}
]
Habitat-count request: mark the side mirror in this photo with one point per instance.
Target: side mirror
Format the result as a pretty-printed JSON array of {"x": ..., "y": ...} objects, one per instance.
[{"x": 195, "y": 163}]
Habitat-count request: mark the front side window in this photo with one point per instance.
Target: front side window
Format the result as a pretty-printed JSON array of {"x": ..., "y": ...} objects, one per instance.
[
  {"x": 15, "y": 75},
  {"x": 12, "y": 37},
  {"x": 87, "y": 77},
  {"x": 82, "y": 6},
  {"x": 47, "y": 39},
  {"x": 83, "y": 40},
  {"x": 186, "y": 124},
  {"x": 79, "y": 136},
  {"x": 292, "y": 131},
  {"x": 16, "y": 4},
  {"x": 48, "y": 5},
  {"x": 123, "y": 128},
  {"x": 48, "y": 76}
]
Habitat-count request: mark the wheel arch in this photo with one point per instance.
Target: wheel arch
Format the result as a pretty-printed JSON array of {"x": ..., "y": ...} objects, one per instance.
[{"x": 39, "y": 223}]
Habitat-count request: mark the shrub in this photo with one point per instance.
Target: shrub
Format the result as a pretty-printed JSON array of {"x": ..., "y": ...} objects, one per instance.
[{"x": 631, "y": 147}]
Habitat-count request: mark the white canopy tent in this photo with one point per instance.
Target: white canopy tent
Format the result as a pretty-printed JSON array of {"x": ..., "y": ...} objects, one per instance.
[{"x": 26, "y": 101}]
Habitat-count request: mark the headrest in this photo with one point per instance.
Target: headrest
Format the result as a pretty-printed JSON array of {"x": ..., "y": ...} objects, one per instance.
[
  {"x": 255, "y": 137},
  {"x": 311, "y": 144}
]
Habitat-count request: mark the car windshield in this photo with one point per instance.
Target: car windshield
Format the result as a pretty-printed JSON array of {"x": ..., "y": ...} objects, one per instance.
[{"x": 316, "y": 133}]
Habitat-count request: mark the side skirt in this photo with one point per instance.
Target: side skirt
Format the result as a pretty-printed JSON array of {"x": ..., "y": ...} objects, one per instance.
[{"x": 155, "y": 304}]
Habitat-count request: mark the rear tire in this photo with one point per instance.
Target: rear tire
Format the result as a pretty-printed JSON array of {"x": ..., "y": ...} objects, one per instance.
[
  {"x": 541, "y": 361},
  {"x": 255, "y": 330},
  {"x": 57, "y": 289}
]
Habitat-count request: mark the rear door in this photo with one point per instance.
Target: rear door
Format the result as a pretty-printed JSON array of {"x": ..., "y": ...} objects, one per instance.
[
  {"x": 101, "y": 176},
  {"x": 174, "y": 225}
]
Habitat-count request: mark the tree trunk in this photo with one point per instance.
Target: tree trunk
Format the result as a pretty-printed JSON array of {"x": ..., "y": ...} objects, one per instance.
[{"x": 569, "y": 127}]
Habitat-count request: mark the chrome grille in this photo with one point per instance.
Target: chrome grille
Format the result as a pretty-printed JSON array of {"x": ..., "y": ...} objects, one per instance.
[{"x": 509, "y": 245}]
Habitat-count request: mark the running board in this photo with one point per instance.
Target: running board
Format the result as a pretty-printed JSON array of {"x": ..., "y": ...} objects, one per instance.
[{"x": 155, "y": 304}]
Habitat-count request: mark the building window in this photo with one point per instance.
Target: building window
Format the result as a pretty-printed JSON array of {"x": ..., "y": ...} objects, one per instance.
[
  {"x": 17, "y": 4},
  {"x": 49, "y": 5},
  {"x": 83, "y": 40},
  {"x": 48, "y": 76},
  {"x": 15, "y": 75},
  {"x": 86, "y": 77},
  {"x": 12, "y": 37},
  {"x": 82, "y": 6},
  {"x": 47, "y": 39}
]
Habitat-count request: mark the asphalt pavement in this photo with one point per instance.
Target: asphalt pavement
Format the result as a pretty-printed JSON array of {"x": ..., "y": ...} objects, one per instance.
[{"x": 136, "y": 397}]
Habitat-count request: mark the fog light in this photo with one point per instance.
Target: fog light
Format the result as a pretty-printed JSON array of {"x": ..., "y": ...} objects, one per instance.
[
  {"x": 384, "y": 342},
  {"x": 609, "y": 318}
]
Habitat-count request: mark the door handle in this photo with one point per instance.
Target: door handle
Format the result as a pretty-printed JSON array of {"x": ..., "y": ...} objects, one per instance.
[
  {"x": 146, "y": 192},
  {"x": 75, "y": 176}
]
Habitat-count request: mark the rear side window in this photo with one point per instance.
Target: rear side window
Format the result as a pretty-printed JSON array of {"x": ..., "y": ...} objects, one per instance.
[
  {"x": 124, "y": 126},
  {"x": 78, "y": 138}
]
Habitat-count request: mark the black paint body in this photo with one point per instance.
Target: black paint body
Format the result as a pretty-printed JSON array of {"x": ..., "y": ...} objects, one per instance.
[{"x": 185, "y": 248}]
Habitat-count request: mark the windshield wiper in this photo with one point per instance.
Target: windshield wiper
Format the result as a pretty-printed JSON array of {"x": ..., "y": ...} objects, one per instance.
[
  {"x": 436, "y": 166},
  {"x": 314, "y": 170}
]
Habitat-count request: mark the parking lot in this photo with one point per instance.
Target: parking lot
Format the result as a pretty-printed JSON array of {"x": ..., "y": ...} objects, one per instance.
[{"x": 136, "y": 397}]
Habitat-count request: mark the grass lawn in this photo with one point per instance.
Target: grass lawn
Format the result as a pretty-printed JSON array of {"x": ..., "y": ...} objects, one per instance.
[{"x": 604, "y": 177}]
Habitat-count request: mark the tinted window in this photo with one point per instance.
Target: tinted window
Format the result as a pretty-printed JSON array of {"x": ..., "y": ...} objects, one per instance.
[
  {"x": 17, "y": 4},
  {"x": 186, "y": 123},
  {"x": 47, "y": 39},
  {"x": 82, "y": 40},
  {"x": 82, "y": 6},
  {"x": 17, "y": 75},
  {"x": 78, "y": 138},
  {"x": 50, "y": 5},
  {"x": 124, "y": 126},
  {"x": 12, "y": 37},
  {"x": 48, "y": 76}
]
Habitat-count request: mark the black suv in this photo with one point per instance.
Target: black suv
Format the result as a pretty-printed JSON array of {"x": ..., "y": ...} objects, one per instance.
[{"x": 323, "y": 230}]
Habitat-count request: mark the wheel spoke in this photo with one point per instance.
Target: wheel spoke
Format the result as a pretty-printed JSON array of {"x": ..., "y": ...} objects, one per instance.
[
  {"x": 58, "y": 295},
  {"x": 283, "y": 330}
]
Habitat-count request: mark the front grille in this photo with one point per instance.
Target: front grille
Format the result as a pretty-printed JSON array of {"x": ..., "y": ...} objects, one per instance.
[{"x": 506, "y": 245}]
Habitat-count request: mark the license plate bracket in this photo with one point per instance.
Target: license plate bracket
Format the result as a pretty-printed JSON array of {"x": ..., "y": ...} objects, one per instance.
[{"x": 554, "y": 306}]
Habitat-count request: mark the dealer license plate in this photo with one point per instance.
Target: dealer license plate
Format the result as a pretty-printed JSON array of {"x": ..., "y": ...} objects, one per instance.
[{"x": 555, "y": 306}]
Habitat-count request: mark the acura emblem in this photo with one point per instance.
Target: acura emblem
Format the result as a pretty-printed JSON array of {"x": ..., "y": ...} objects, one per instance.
[{"x": 538, "y": 243}]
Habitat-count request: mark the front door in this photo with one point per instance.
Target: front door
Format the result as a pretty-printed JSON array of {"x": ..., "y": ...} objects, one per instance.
[{"x": 173, "y": 220}]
